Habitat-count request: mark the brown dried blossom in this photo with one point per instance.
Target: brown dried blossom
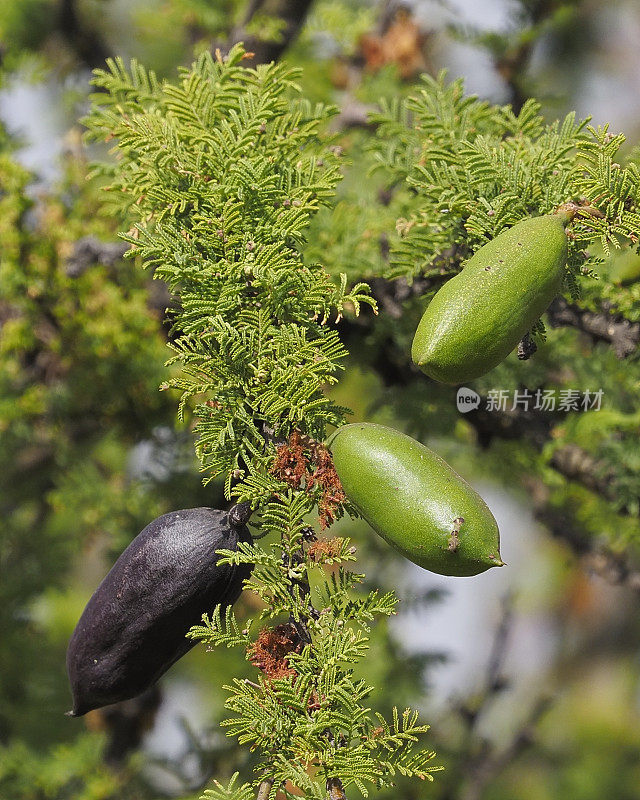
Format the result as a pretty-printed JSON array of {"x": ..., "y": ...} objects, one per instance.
[
  {"x": 290, "y": 465},
  {"x": 302, "y": 460},
  {"x": 325, "y": 549},
  {"x": 270, "y": 650}
]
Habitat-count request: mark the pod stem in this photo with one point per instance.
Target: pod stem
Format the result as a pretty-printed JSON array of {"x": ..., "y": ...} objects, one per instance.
[
  {"x": 239, "y": 514},
  {"x": 569, "y": 211}
]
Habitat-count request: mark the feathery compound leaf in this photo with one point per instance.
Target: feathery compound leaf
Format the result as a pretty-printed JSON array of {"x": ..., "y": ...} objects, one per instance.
[
  {"x": 474, "y": 169},
  {"x": 220, "y": 174},
  {"x": 216, "y": 632},
  {"x": 232, "y": 791}
]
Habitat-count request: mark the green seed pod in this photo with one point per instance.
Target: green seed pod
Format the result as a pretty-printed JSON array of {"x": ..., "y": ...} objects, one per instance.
[
  {"x": 414, "y": 500},
  {"x": 480, "y": 315}
]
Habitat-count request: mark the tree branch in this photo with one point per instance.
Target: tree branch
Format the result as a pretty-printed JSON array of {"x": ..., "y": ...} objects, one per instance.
[
  {"x": 578, "y": 465},
  {"x": 533, "y": 425},
  {"x": 292, "y": 14},
  {"x": 89, "y": 251},
  {"x": 605, "y": 326},
  {"x": 513, "y": 63},
  {"x": 615, "y": 568},
  {"x": 480, "y": 761},
  {"x": 487, "y": 768},
  {"x": 494, "y": 682},
  {"x": 85, "y": 41},
  {"x": 264, "y": 790},
  {"x": 335, "y": 789}
]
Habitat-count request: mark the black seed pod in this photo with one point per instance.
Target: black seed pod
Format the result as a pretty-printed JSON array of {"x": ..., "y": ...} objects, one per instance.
[{"x": 133, "y": 628}]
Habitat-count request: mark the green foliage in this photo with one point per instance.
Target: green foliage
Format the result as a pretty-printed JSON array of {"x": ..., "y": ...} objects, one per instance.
[
  {"x": 457, "y": 170},
  {"x": 82, "y": 497},
  {"x": 24, "y": 26},
  {"x": 222, "y": 173},
  {"x": 231, "y": 791},
  {"x": 81, "y": 356},
  {"x": 343, "y": 22},
  {"x": 69, "y": 770},
  {"x": 473, "y": 169},
  {"x": 305, "y": 713}
]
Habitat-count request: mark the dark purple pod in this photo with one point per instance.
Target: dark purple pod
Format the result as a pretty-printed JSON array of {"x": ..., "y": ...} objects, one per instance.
[{"x": 133, "y": 627}]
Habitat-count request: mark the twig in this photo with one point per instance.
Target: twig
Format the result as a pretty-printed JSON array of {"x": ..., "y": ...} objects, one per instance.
[
  {"x": 494, "y": 683},
  {"x": 485, "y": 769},
  {"x": 89, "y": 251},
  {"x": 335, "y": 789},
  {"x": 292, "y": 14},
  {"x": 531, "y": 425},
  {"x": 513, "y": 63},
  {"x": 85, "y": 41},
  {"x": 603, "y": 325},
  {"x": 615, "y": 568},
  {"x": 264, "y": 790},
  {"x": 578, "y": 465},
  {"x": 480, "y": 761}
]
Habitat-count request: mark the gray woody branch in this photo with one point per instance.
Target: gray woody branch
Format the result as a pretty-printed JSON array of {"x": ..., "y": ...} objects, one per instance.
[
  {"x": 616, "y": 568},
  {"x": 480, "y": 760},
  {"x": 264, "y": 790},
  {"x": 605, "y": 325},
  {"x": 90, "y": 251},
  {"x": 291, "y": 13}
]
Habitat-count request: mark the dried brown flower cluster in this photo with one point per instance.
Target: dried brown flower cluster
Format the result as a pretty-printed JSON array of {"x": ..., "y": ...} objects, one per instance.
[
  {"x": 270, "y": 650},
  {"x": 325, "y": 549},
  {"x": 303, "y": 462}
]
